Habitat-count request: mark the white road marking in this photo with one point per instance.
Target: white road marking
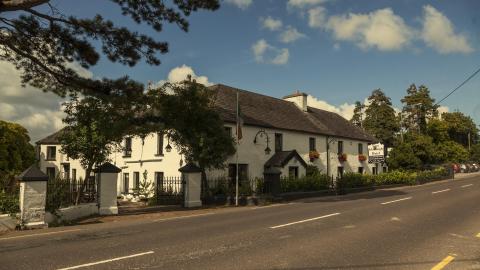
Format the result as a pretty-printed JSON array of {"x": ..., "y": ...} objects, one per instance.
[
  {"x": 305, "y": 220},
  {"x": 107, "y": 261},
  {"x": 39, "y": 234},
  {"x": 403, "y": 199},
  {"x": 173, "y": 218},
  {"x": 440, "y": 191},
  {"x": 469, "y": 185}
]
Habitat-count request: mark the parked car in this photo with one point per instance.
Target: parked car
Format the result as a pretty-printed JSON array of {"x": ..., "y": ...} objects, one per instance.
[
  {"x": 456, "y": 167},
  {"x": 463, "y": 168}
]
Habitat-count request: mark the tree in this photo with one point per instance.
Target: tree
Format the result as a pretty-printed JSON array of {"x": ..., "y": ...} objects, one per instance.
[
  {"x": 418, "y": 108},
  {"x": 16, "y": 152},
  {"x": 403, "y": 157},
  {"x": 93, "y": 131},
  {"x": 460, "y": 127},
  {"x": 357, "y": 118},
  {"x": 191, "y": 121},
  {"x": 380, "y": 119},
  {"x": 450, "y": 151},
  {"x": 438, "y": 130},
  {"x": 44, "y": 43},
  {"x": 475, "y": 153}
]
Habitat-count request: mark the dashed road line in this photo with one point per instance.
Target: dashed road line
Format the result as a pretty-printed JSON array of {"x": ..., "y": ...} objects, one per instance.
[
  {"x": 39, "y": 234},
  {"x": 394, "y": 201},
  {"x": 440, "y": 191},
  {"x": 305, "y": 220},
  {"x": 443, "y": 263},
  {"x": 107, "y": 261},
  {"x": 478, "y": 235},
  {"x": 469, "y": 185}
]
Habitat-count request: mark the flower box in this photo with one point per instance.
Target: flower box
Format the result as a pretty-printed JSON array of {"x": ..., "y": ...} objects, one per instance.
[
  {"x": 313, "y": 155},
  {"x": 342, "y": 157},
  {"x": 362, "y": 158}
]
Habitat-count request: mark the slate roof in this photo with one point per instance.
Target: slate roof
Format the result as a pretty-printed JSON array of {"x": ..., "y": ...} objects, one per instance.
[
  {"x": 32, "y": 174},
  {"x": 51, "y": 139},
  {"x": 269, "y": 112},
  {"x": 281, "y": 158}
]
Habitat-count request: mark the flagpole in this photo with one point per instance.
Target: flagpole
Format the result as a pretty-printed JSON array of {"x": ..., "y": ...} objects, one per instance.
[{"x": 236, "y": 155}]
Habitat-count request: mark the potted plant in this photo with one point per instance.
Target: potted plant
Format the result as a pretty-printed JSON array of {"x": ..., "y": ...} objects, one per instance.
[
  {"x": 342, "y": 157},
  {"x": 313, "y": 155},
  {"x": 362, "y": 158}
]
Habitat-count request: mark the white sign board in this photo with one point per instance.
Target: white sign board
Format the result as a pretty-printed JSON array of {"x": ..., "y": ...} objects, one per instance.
[{"x": 376, "y": 153}]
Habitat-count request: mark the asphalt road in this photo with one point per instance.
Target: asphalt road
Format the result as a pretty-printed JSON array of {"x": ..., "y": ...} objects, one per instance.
[{"x": 434, "y": 226}]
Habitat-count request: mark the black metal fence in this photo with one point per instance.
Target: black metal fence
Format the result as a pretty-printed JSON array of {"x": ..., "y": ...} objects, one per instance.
[
  {"x": 170, "y": 190},
  {"x": 64, "y": 192}
]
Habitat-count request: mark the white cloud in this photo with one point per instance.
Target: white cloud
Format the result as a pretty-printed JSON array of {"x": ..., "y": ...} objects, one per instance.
[
  {"x": 40, "y": 113},
  {"x": 242, "y": 4},
  {"x": 439, "y": 34},
  {"x": 345, "y": 110},
  {"x": 304, "y": 3},
  {"x": 271, "y": 23},
  {"x": 282, "y": 57},
  {"x": 380, "y": 29},
  {"x": 291, "y": 34},
  {"x": 266, "y": 53},
  {"x": 179, "y": 74},
  {"x": 317, "y": 17}
]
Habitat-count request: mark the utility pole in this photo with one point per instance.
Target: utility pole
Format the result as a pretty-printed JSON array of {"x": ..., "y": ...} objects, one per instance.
[{"x": 469, "y": 141}]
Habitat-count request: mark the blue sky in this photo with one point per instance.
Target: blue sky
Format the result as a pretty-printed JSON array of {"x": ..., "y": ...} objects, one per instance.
[{"x": 337, "y": 51}]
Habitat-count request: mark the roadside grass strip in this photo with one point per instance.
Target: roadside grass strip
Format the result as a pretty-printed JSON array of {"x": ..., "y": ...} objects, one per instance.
[
  {"x": 39, "y": 234},
  {"x": 394, "y": 201},
  {"x": 440, "y": 191},
  {"x": 469, "y": 185},
  {"x": 107, "y": 261},
  {"x": 443, "y": 263},
  {"x": 305, "y": 220}
]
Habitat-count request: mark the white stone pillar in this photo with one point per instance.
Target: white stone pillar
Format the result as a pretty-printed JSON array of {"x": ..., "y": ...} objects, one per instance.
[
  {"x": 192, "y": 177},
  {"x": 107, "y": 188},
  {"x": 33, "y": 197}
]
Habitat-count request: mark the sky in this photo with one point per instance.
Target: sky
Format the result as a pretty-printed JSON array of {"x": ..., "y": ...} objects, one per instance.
[{"x": 336, "y": 51}]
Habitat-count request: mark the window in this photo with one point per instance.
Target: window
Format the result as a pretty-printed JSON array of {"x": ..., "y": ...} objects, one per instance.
[
  {"x": 242, "y": 172},
  {"x": 51, "y": 173},
  {"x": 74, "y": 174},
  {"x": 66, "y": 171},
  {"x": 136, "y": 179},
  {"x": 159, "y": 179},
  {"x": 385, "y": 169},
  {"x": 128, "y": 147},
  {"x": 293, "y": 172},
  {"x": 360, "y": 149},
  {"x": 340, "y": 147},
  {"x": 159, "y": 143},
  {"x": 278, "y": 142},
  {"x": 340, "y": 172},
  {"x": 228, "y": 130},
  {"x": 126, "y": 184},
  {"x": 374, "y": 170},
  {"x": 51, "y": 152},
  {"x": 360, "y": 170},
  {"x": 312, "y": 144}
]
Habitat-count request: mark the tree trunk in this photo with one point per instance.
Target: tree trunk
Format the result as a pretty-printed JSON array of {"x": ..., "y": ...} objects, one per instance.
[{"x": 88, "y": 171}]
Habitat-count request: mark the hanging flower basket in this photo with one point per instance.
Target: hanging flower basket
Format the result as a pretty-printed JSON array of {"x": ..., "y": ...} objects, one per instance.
[
  {"x": 342, "y": 157},
  {"x": 313, "y": 155},
  {"x": 362, "y": 158}
]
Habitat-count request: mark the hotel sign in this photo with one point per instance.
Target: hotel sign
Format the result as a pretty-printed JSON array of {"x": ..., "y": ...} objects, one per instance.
[{"x": 376, "y": 153}]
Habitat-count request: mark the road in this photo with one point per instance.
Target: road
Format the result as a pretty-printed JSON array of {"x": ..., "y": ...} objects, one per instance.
[{"x": 433, "y": 226}]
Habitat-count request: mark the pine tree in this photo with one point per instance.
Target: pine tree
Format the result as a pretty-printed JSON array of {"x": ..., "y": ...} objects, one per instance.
[
  {"x": 380, "y": 119},
  {"x": 357, "y": 118},
  {"x": 418, "y": 108}
]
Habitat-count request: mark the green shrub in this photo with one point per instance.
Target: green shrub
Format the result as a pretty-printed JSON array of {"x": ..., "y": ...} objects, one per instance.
[
  {"x": 395, "y": 177},
  {"x": 354, "y": 180},
  {"x": 9, "y": 203},
  {"x": 313, "y": 182}
]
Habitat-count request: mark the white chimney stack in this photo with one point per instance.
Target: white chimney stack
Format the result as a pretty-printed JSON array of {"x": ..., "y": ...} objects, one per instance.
[{"x": 299, "y": 98}]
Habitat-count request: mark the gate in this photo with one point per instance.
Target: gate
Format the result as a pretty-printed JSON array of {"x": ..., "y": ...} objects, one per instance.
[{"x": 170, "y": 190}]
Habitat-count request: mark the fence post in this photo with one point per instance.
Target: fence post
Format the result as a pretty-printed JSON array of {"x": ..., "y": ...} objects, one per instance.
[
  {"x": 271, "y": 176},
  {"x": 192, "y": 177},
  {"x": 33, "y": 196},
  {"x": 107, "y": 188}
]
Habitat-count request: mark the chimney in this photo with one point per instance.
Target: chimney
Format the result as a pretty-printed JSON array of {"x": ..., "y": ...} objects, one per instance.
[{"x": 299, "y": 98}]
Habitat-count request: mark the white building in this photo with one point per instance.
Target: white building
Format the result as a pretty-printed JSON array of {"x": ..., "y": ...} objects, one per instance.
[{"x": 295, "y": 133}]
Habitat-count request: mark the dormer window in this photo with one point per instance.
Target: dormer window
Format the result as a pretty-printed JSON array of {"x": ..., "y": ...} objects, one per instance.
[
  {"x": 128, "y": 147},
  {"x": 51, "y": 153}
]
